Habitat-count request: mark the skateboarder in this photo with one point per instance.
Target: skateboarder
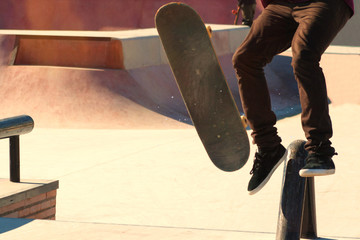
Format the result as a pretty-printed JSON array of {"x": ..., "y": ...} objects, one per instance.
[
  {"x": 247, "y": 11},
  {"x": 308, "y": 27}
]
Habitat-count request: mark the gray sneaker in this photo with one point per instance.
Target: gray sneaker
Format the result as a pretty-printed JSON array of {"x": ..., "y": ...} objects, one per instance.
[{"x": 318, "y": 164}]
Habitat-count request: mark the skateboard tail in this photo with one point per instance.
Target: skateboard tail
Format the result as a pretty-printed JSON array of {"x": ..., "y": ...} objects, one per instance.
[{"x": 202, "y": 85}]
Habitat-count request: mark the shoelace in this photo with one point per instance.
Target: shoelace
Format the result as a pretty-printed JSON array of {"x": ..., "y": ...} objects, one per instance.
[
  {"x": 317, "y": 152},
  {"x": 322, "y": 154},
  {"x": 316, "y": 157},
  {"x": 257, "y": 163}
]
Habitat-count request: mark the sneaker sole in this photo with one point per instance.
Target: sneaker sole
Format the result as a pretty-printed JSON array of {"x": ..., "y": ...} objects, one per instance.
[
  {"x": 315, "y": 172},
  {"x": 261, "y": 185}
]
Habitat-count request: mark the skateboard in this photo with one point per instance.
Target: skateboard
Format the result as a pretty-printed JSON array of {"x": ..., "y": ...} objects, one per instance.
[{"x": 203, "y": 86}]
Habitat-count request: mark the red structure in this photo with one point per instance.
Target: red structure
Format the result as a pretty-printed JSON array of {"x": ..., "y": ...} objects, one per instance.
[{"x": 102, "y": 15}]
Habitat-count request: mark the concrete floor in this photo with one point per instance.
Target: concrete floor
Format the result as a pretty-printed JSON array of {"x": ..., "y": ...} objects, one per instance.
[{"x": 152, "y": 184}]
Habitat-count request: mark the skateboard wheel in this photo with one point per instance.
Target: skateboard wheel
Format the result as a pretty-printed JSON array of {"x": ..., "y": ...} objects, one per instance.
[
  {"x": 209, "y": 31},
  {"x": 244, "y": 121}
]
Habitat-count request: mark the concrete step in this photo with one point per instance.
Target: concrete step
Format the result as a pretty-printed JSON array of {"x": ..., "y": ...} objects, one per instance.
[
  {"x": 19, "y": 229},
  {"x": 34, "y": 229}
]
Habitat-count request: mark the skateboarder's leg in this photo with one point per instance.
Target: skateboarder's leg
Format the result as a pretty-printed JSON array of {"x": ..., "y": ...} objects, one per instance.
[
  {"x": 270, "y": 34},
  {"x": 319, "y": 22}
]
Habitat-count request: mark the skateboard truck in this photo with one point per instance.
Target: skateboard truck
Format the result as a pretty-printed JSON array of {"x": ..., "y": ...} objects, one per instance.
[
  {"x": 244, "y": 121},
  {"x": 209, "y": 31}
]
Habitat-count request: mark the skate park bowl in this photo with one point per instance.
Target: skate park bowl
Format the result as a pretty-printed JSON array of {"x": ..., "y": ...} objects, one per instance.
[
  {"x": 100, "y": 73},
  {"x": 111, "y": 126},
  {"x": 89, "y": 77}
]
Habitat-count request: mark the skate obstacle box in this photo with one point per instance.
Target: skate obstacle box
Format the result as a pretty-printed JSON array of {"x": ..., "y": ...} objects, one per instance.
[{"x": 297, "y": 214}]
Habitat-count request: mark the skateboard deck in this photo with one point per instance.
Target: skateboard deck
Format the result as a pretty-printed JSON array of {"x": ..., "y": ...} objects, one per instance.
[{"x": 203, "y": 86}]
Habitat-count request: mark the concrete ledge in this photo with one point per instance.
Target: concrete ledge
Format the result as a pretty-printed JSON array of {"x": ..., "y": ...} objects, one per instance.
[
  {"x": 143, "y": 48},
  {"x": 107, "y": 49},
  {"x": 348, "y": 50},
  {"x": 34, "y": 199},
  {"x": 341, "y": 50},
  {"x": 128, "y": 49}
]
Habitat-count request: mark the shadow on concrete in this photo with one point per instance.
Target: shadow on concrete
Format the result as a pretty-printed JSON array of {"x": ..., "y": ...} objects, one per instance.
[
  {"x": 9, "y": 224},
  {"x": 283, "y": 87},
  {"x": 157, "y": 91}
]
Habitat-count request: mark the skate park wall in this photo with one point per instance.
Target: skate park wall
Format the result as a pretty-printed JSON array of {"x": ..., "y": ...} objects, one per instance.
[
  {"x": 102, "y": 15},
  {"x": 350, "y": 34}
]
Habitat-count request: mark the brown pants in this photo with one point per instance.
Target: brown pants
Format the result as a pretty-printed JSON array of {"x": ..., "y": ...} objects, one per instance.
[{"x": 308, "y": 28}]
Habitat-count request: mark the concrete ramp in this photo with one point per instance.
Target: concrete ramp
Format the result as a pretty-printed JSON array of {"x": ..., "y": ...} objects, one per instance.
[
  {"x": 76, "y": 98},
  {"x": 145, "y": 97},
  {"x": 159, "y": 85},
  {"x": 141, "y": 94}
]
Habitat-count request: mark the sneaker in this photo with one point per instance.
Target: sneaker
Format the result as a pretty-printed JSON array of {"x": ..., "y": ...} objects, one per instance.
[
  {"x": 265, "y": 164},
  {"x": 318, "y": 164},
  {"x": 247, "y": 22}
]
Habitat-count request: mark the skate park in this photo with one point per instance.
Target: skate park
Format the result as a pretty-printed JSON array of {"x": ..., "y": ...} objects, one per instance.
[{"x": 119, "y": 141}]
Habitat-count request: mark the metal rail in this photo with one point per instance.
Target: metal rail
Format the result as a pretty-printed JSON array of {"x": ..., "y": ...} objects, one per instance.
[
  {"x": 297, "y": 213},
  {"x": 12, "y": 128}
]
